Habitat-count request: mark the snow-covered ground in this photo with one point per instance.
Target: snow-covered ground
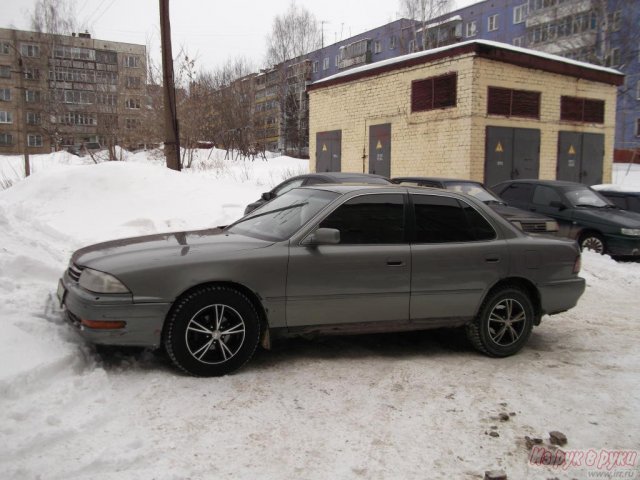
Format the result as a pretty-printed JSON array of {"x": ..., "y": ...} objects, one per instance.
[{"x": 380, "y": 406}]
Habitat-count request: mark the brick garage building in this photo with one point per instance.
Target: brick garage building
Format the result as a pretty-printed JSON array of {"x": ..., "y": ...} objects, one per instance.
[{"x": 480, "y": 110}]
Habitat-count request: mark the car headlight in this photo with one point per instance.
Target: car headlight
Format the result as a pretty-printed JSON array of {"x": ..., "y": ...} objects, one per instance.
[
  {"x": 100, "y": 282},
  {"x": 551, "y": 226},
  {"x": 632, "y": 232}
]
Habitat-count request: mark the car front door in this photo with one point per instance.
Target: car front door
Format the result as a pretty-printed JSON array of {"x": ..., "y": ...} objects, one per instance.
[
  {"x": 456, "y": 257},
  {"x": 549, "y": 201},
  {"x": 364, "y": 278}
]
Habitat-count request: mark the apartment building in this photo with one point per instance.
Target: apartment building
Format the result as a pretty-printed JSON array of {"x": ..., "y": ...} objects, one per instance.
[{"x": 59, "y": 91}]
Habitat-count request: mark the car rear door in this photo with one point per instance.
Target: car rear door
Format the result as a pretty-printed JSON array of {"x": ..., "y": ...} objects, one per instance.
[
  {"x": 364, "y": 278},
  {"x": 456, "y": 256}
]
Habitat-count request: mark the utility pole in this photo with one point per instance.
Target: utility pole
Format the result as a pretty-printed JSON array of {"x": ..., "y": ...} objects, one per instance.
[{"x": 171, "y": 133}]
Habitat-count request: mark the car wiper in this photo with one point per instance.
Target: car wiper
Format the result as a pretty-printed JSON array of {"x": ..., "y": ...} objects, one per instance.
[
  {"x": 588, "y": 205},
  {"x": 282, "y": 209}
]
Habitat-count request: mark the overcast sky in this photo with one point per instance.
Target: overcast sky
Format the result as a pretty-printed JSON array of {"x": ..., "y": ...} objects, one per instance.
[{"x": 212, "y": 30}]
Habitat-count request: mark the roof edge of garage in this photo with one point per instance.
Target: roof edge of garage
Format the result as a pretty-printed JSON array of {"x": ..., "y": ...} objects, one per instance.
[{"x": 496, "y": 51}]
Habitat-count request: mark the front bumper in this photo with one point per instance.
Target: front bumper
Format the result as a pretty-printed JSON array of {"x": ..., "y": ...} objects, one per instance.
[
  {"x": 560, "y": 296},
  {"x": 143, "y": 321},
  {"x": 623, "y": 245}
]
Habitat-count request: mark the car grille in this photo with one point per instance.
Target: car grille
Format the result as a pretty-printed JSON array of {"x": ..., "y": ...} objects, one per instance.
[
  {"x": 74, "y": 272},
  {"x": 534, "y": 227}
]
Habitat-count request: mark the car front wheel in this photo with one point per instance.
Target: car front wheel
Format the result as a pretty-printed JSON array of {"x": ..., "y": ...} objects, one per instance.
[
  {"x": 212, "y": 331},
  {"x": 592, "y": 241},
  {"x": 504, "y": 323}
]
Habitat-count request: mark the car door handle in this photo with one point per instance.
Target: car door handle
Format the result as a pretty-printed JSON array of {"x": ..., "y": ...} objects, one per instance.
[
  {"x": 395, "y": 263},
  {"x": 492, "y": 259}
]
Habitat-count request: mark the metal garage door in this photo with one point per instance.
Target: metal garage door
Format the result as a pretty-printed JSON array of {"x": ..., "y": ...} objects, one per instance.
[
  {"x": 328, "y": 151},
  {"x": 511, "y": 153},
  {"x": 380, "y": 149},
  {"x": 580, "y": 157}
]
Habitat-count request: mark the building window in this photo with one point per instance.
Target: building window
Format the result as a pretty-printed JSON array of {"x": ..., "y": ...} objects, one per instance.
[
  {"x": 5, "y": 71},
  {"x": 584, "y": 110},
  {"x": 78, "y": 118},
  {"x": 520, "y": 13},
  {"x": 412, "y": 46},
  {"x": 513, "y": 103},
  {"x": 6, "y": 139},
  {"x": 29, "y": 50},
  {"x": 5, "y": 48},
  {"x": 315, "y": 66},
  {"x": 614, "y": 20},
  {"x": 32, "y": 96},
  {"x": 638, "y": 127},
  {"x": 325, "y": 63},
  {"x": 518, "y": 42},
  {"x": 5, "y": 94},
  {"x": 492, "y": 23},
  {"x": 392, "y": 42},
  {"x": 34, "y": 118},
  {"x": 6, "y": 117},
  {"x": 133, "y": 82},
  {"x": 433, "y": 93},
  {"x": 613, "y": 59},
  {"x": 76, "y": 97},
  {"x": 377, "y": 47},
  {"x": 337, "y": 60},
  {"x": 76, "y": 53},
  {"x": 131, "y": 61},
  {"x": 638, "y": 90},
  {"x": 106, "y": 99},
  {"x": 131, "y": 123},
  {"x": 471, "y": 28},
  {"x": 34, "y": 140},
  {"x": 31, "y": 73},
  {"x": 132, "y": 103}
]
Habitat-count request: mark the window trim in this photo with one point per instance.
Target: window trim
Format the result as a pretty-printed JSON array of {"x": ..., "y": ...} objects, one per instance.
[{"x": 521, "y": 12}]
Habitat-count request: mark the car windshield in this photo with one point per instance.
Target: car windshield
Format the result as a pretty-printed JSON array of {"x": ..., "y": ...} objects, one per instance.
[
  {"x": 585, "y": 197},
  {"x": 284, "y": 215},
  {"x": 473, "y": 189}
]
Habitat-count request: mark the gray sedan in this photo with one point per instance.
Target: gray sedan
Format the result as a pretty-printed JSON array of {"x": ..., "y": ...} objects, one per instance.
[{"x": 331, "y": 259}]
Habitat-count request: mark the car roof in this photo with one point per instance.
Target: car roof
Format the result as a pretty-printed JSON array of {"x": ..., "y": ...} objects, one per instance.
[
  {"x": 436, "y": 179},
  {"x": 549, "y": 183}
]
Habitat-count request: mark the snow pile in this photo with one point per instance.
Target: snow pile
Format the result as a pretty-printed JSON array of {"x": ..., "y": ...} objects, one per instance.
[{"x": 414, "y": 405}]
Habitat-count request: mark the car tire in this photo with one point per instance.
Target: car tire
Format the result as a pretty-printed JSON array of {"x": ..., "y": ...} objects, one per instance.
[
  {"x": 504, "y": 323},
  {"x": 594, "y": 242},
  {"x": 212, "y": 331}
]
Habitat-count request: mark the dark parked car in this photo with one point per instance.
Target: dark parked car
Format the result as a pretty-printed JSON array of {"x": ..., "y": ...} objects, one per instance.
[
  {"x": 582, "y": 213},
  {"x": 625, "y": 198},
  {"x": 332, "y": 259},
  {"x": 316, "y": 179},
  {"x": 529, "y": 222}
]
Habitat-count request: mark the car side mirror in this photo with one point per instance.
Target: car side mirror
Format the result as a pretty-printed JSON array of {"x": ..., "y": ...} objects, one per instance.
[
  {"x": 559, "y": 205},
  {"x": 266, "y": 196},
  {"x": 323, "y": 236}
]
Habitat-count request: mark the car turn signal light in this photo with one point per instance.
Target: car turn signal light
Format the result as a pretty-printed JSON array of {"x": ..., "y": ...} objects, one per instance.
[{"x": 103, "y": 325}]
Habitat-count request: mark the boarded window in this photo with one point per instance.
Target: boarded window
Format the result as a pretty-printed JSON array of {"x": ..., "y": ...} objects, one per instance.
[
  {"x": 585, "y": 110},
  {"x": 434, "y": 92},
  {"x": 513, "y": 103}
]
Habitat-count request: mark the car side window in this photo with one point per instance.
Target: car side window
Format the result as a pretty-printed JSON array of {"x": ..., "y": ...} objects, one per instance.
[
  {"x": 369, "y": 219},
  {"x": 544, "y": 195},
  {"x": 619, "y": 202},
  {"x": 517, "y": 193},
  {"x": 441, "y": 219},
  {"x": 634, "y": 204},
  {"x": 288, "y": 186}
]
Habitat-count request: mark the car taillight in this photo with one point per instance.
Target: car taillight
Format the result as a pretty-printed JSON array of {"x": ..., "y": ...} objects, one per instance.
[{"x": 577, "y": 265}]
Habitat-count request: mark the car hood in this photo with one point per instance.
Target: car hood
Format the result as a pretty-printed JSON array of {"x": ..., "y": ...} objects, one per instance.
[
  {"x": 121, "y": 255},
  {"x": 608, "y": 216},
  {"x": 513, "y": 213}
]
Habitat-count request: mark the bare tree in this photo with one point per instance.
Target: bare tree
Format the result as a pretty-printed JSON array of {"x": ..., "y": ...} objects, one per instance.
[
  {"x": 424, "y": 11},
  {"x": 54, "y": 16},
  {"x": 293, "y": 34}
]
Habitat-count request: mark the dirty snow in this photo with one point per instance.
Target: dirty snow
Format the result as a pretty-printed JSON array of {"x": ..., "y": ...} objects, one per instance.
[{"x": 416, "y": 405}]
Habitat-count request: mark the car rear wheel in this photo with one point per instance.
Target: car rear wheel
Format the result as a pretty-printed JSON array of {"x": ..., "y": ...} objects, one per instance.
[
  {"x": 592, "y": 241},
  {"x": 504, "y": 323},
  {"x": 212, "y": 331}
]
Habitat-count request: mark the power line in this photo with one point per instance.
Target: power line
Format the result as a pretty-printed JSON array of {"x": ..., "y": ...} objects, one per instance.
[
  {"x": 103, "y": 12},
  {"x": 95, "y": 11}
]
